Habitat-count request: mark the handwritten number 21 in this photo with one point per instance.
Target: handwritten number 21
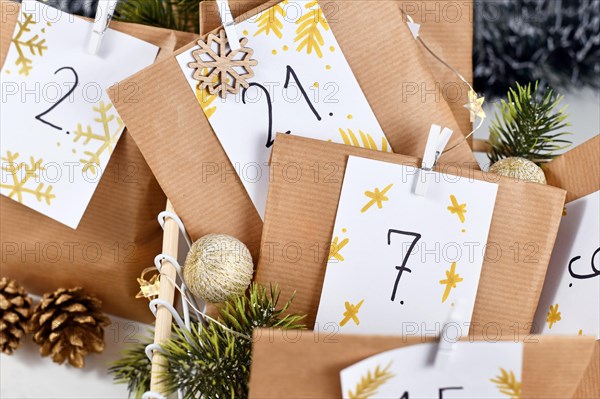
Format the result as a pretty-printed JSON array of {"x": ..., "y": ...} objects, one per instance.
[
  {"x": 41, "y": 116},
  {"x": 290, "y": 73}
]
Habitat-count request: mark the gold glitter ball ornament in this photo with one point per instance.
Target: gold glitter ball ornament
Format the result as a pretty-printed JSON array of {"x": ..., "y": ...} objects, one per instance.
[
  {"x": 519, "y": 168},
  {"x": 217, "y": 268}
]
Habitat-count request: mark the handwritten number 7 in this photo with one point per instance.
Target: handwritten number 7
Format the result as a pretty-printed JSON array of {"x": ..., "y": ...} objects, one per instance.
[
  {"x": 40, "y": 116},
  {"x": 403, "y": 267}
]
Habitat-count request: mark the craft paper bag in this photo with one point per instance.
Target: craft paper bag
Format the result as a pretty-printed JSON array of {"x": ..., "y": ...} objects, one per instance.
[
  {"x": 578, "y": 172},
  {"x": 552, "y": 366},
  {"x": 196, "y": 174},
  {"x": 118, "y": 235},
  {"x": 447, "y": 28},
  {"x": 301, "y": 209}
]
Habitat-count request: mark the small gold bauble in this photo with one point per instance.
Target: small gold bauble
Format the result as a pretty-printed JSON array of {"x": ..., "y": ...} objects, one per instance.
[
  {"x": 519, "y": 168},
  {"x": 217, "y": 268}
]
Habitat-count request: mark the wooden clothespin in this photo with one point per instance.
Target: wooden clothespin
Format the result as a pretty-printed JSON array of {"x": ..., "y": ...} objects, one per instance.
[
  {"x": 228, "y": 24},
  {"x": 436, "y": 143},
  {"x": 104, "y": 13},
  {"x": 447, "y": 347}
]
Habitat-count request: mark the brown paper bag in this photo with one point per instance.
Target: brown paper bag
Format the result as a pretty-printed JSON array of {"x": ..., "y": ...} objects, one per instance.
[
  {"x": 578, "y": 172},
  {"x": 447, "y": 30},
  {"x": 118, "y": 235},
  {"x": 192, "y": 167},
  {"x": 307, "y": 365},
  {"x": 509, "y": 288}
]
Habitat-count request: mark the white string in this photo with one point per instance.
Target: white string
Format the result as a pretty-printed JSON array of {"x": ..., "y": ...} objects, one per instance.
[
  {"x": 204, "y": 315},
  {"x": 166, "y": 214},
  {"x": 458, "y": 74}
]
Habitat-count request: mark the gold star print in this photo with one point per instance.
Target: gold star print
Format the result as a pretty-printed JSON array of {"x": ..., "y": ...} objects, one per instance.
[
  {"x": 451, "y": 280},
  {"x": 335, "y": 248},
  {"x": 148, "y": 289},
  {"x": 475, "y": 106},
  {"x": 350, "y": 313},
  {"x": 460, "y": 210},
  {"x": 377, "y": 197},
  {"x": 553, "y": 315}
]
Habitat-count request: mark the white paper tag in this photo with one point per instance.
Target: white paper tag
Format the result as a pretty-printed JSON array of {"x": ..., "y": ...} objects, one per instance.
[
  {"x": 570, "y": 300},
  {"x": 58, "y": 126},
  {"x": 399, "y": 262},
  {"x": 302, "y": 85},
  {"x": 478, "y": 370}
]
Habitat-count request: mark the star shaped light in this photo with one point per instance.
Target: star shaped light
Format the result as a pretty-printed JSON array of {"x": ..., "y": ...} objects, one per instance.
[
  {"x": 148, "y": 289},
  {"x": 475, "y": 106}
]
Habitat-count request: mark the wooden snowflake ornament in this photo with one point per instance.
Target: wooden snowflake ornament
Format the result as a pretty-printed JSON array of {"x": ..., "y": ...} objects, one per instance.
[{"x": 227, "y": 70}]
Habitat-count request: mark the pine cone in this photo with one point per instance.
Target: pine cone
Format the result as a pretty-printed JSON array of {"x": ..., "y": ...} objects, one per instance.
[
  {"x": 69, "y": 324},
  {"x": 15, "y": 309}
]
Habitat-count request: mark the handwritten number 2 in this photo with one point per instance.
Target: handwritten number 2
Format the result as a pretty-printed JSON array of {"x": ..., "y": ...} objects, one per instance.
[
  {"x": 402, "y": 268},
  {"x": 290, "y": 73},
  {"x": 270, "y": 140},
  {"x": 40, "y": 116}
]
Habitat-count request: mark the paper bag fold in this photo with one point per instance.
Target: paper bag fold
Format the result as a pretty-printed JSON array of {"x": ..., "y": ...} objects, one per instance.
[
  {"x": 447, "y": 29},
  {"x": 301, "y": 211},
  {"x": 191, "y": 166},
  {"x": 118, "y": 235},
  {"x": 578, "y": 172},
  {"x": 306, "y": 364}
]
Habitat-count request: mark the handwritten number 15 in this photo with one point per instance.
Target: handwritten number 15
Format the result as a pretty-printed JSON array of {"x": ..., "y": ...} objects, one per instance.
[
  {"x": 41, "y": 116},
  {"x": 290, "y": 73}
]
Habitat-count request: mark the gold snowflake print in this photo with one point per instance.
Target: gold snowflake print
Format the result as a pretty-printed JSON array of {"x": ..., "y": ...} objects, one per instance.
[
  {"x": 112, "y": 127},
  {"x": 459, "y": 210},
  {"x": 228, "y": 70},
  {"x": 21, "y": 175},
  {"x": 452, "y": 278},
  {"x": 32, "y": 45},
  {"x": 377, "y": 197},
  {"x": 554, "y": 316}
]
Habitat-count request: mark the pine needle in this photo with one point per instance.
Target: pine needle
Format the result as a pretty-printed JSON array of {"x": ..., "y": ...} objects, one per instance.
[
  {"x": 134, "y": 368},
  {"x": 526, "y": 125},
  {"x": 210, "y": 361},
  {"x": 171, "y": 14}
]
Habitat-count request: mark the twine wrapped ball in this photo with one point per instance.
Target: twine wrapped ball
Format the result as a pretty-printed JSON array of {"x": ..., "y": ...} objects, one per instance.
[
  {"x": 217, "y": 268},
  {"x": 519, "y": 168}
]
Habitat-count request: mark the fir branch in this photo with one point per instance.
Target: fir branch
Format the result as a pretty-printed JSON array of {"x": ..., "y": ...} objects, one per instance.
[
  {"x": 171, "y": 14},
  {"x": 526, "y": 125},
  {"x": 134, "y": 368},
  {"x": 213, "y": 362}
]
